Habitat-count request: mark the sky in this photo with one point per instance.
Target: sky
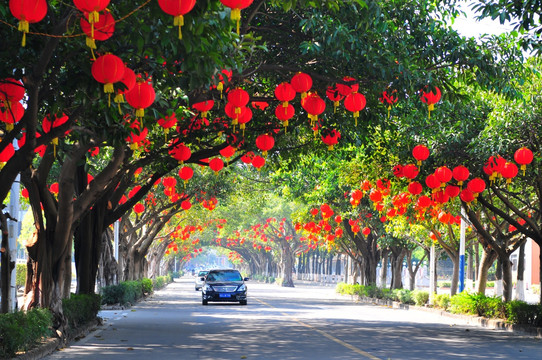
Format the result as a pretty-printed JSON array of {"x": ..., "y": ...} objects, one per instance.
[{"x": 469, "y": 27}]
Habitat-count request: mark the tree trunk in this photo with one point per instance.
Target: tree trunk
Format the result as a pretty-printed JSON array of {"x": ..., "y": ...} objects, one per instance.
[
  {"x": 397, "y": 257},
  {"x": 470, "y": 266},
  {"x": 498, "y": 278},
  {"x": 488, "y": 257},
  {"x": 520, "y": 285},
  {"x": 455, "y": 275},
  {"x": 507, "y": 278},
  {"x": 108, "y": 267},
  {"x": 384, "y": 269}
]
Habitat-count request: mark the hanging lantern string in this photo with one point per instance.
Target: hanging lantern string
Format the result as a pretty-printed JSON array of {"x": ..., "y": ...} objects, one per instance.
[{"x": 80, "y": 34}]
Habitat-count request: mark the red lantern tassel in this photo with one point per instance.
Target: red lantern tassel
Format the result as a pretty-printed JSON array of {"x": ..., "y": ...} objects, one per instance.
[
  {"x": 179, "y": 21},
  {"x": 24, "y": 27}
]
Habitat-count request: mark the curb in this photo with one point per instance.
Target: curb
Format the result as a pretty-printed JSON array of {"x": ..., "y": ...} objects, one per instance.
[{"x": 495, "y": 324}]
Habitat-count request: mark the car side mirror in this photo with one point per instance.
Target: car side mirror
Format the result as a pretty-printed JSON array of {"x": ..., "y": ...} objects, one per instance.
[
  {"x": 202, "y": 278},
  {"x": 246, "y": 279}
]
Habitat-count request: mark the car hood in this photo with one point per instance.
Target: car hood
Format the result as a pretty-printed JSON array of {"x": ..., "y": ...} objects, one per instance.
[{"x": 224, "y": 283}]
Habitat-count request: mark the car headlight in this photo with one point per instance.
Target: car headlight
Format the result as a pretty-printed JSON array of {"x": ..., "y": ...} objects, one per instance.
[
  {"x": 242, "y": 288},
  {"x": 207, "y": 288}
]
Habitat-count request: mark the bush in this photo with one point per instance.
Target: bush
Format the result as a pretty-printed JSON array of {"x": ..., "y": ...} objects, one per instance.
[
  {"x": 147, "y": 285},
  {"x": 442, "y": 301},
  {"x": 340, "y": 288},
  {"x": 445, "y": 284},
  {"x": 374, "y": 291},
  {"x": 463, "y": 303},
  {"x": 80, "y": 309},
  {"x": 20, "y": 275},
  {"x": 405, "y": 296},
  {"x": 19, "y": 331},
  {"x": 489, "y": 306},
  {"x": 128, "y": 292},
  {"x": 420, "y": 298}
]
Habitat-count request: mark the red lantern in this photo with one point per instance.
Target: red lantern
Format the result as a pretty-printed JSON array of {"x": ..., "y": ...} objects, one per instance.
[
  {"x": 301, "y": 83},
  {"x": 460, "y": 174},
  {"x": 265, "y": 143},
  {"x": 331, "y": 138},
  {"x": 244, "y": 117},
  {"x": 258, "y": 162},
  {"x": 452, "y": 191},
  {"x": 284, "y": 113},
  {"x": 366, "y": 231},
  {"x": 216, "y": 164},
  {"x": 420, "y": 153},
  {"x": 186, "y": 205},
  {"x": 334, "y": 95},
  {"x": 430, "y": 98},
  {"x": 410, "y": 171},
  {"x": 168, "y": 122},
  {"x": 345, "y": 89},
  {"x": 129, "y": 81},
  {"x": 203, "y": 107},
  {"x": 375, "y": 195},
  {"x": 186, "y": 173},
  {"x": 432, "y": 182},
  {"x": 108, "y": 69},
  {"x": 236, "y": 6},
  {"x": 6, "y": 154},
  {"x": 440, "y": 197},
  {"x": 523, "y": 157},
  {"x": 284, "y": 92},
  {"x": 466, "y": 196},
  {"x": 476, "y": 186},
  {"x": 398, "y": 171},
  {"x": 314, "y": 106},
  {"x": 180, "y": 153},
  {"x": 141, "y": 97},
  {"x": 238, "y": 98},
  {"x": 355, "y": 102},
  {"x": 423, "y": 202},
  {"x": 28, "y": 12},
  {"x": 177, "y": 8},
  {"x": 444, "y": 174},
  {"x": 11, "y": 91},
  {"x": 49, "y": 124},
  {"x": 11, "y": 115},
  {"x": 415, "y": 188},
  {"x": 227, "y": 152},
  {"x": 509, "y": 171},
  {"x": 247, "y": 157},
  {"x": 101, "y": 30},
  {"x": 139, "y": 208}
]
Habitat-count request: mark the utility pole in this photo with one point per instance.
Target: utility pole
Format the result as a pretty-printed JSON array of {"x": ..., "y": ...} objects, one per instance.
[
  {"x": 462, "y": 251},
  {"x": 432, "y": 267}
]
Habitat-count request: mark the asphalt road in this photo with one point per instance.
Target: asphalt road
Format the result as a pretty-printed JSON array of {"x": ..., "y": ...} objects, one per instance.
[{"x": 306, "y": 322}]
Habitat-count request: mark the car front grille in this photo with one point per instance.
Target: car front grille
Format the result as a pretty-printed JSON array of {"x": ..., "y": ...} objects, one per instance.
[{"x": 225, "y": 288}]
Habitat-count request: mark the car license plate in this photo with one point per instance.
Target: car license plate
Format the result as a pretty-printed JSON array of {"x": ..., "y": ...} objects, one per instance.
[{"x": 224, "y": 295}]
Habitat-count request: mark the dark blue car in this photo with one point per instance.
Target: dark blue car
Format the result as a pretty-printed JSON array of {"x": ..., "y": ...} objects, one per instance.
[{"x": 224, "y": 285}]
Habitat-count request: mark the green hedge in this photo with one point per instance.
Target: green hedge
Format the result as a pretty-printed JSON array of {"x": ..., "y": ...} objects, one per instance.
[
  {"x": 263, "y": 278},
  {"x": 514, "y": 312},
  {"x": 20, "y": 275},
  {"x": 80, "y": 309},
  {"x": 21, "y": 330},
  {"x": 129, "y": 292}
]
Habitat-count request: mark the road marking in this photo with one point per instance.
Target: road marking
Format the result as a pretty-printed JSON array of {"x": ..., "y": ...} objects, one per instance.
[{"x": 321, "y": 332}]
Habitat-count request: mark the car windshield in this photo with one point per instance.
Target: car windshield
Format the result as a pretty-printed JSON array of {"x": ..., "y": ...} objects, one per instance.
[{"x": 224, "y": 276}]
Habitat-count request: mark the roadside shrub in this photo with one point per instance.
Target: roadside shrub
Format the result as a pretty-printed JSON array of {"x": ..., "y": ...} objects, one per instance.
[
  {"x": 405, "y": 296},
  {"x": 133, "y": 291},
  {"x": 445, "y": 284},
  {"x": 374, "y": 291},
  {"x": 19, "y": 330},
  {"x": 395, "y": 294},
  {"x": 463, "y": 303},
  {"x": 159, "y": 282},
  {"x": 420, "y": 297},
  {"x": 340, "y": 288},
  {"x": 489, "y": 306},
  {"x": 490, "y": 284},
  {"x": 442, "y": 301},
  {"x": 386, "y": 294},
  {"x": 112, "y": 294},
  {"x": 80, "y": 309},
  {"x": 20, "y": 275},
  {"x": 146, "y": 285}
]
